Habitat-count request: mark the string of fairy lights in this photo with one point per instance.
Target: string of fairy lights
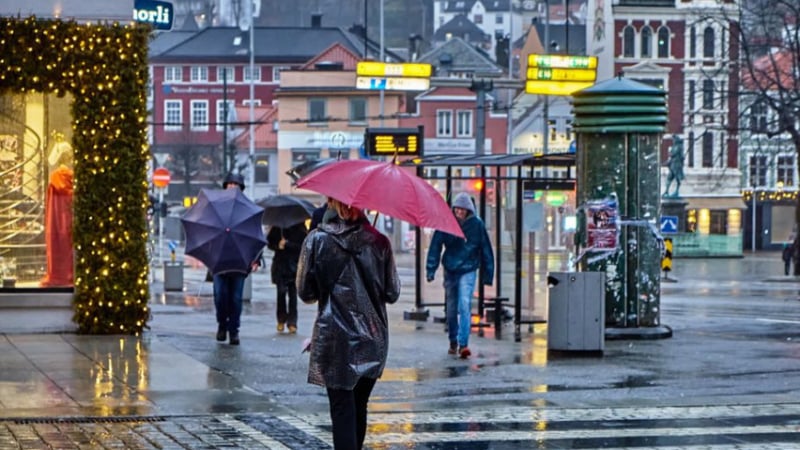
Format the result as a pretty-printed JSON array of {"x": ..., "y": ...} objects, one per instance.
[{"x": 104, "y": 68}]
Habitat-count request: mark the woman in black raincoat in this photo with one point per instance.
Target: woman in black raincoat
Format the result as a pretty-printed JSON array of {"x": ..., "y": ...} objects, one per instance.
[
  {"x": 286, "y": 243},
  {"x": 348, "y": 267}
]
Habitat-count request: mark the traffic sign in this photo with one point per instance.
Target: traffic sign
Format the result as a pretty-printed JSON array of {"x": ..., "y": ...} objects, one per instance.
[
  {"x": 563, "y": 61},
  {"x": 552, "y": 74},
  {"x": 161, "y": 177},
  {"x": 669, "y": 224},
  {"x": 379, "y": 69},
  {"x": 555, "y": 87}
]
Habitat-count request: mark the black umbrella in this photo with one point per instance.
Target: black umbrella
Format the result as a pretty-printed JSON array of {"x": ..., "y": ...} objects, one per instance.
[
  {"x": 223, "y": 230},
  {"x": 285, "y": 210},
  {"x": 307, "y": 167}
]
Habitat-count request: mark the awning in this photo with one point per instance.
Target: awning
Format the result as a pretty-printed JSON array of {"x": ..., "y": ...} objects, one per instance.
[{"x": 715, "y": 203}]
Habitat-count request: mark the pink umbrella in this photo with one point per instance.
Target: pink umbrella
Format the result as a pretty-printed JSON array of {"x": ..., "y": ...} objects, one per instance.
[{"x": 384, "y": 187}]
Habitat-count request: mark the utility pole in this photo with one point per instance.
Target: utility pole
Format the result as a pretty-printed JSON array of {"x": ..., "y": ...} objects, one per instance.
[
  {"x": 224, "y": 122},
  {"x": 480, "y": 87}
]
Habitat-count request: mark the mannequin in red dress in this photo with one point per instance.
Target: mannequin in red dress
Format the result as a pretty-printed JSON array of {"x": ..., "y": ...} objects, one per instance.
[{"x": 58, "y": 225}]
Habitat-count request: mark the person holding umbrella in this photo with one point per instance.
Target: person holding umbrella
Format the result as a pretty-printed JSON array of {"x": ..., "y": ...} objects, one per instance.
[
  {"x": 461, "y": 260},
  {"x": 229, "y": 286},
  {"x": 347, "y": 266},
  {"x": 286, "y": 243}
]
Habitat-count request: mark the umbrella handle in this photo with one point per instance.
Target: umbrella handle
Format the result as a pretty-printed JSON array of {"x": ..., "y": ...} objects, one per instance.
[{"x": 375, "y": 220}]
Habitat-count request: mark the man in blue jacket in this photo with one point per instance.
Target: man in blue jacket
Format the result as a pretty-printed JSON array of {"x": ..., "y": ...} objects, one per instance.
[{"x": 461, "y": 260}]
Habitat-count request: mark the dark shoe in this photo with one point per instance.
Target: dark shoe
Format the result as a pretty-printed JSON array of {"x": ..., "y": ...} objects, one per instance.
[
  {"x": 222, "y": 334},
  {"x": 453, "y": 349},
  {"x": 234, "y": 338},
  {"x": 464, "y": 352}
]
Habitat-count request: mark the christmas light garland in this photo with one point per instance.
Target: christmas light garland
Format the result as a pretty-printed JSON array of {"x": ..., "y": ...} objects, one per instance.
[{"x": 104, "y": 67}]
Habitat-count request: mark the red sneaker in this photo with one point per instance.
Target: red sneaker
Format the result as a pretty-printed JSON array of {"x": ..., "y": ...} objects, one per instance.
[{"x": 464, "y": 352}]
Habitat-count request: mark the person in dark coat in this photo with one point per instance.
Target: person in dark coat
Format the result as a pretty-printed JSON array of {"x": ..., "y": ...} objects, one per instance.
[
  {"x": 348, "y": 268},
  {"x": 229, "y": 286},
  {"x": 461, "y": 260},
  {"x": 286, "y": 243},
  {"x": 787, "y": 256}
]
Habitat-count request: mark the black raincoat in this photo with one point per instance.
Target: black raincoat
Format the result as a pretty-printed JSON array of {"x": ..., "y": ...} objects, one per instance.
[
  {"x": 284, "y": 263},
  {"x": 347, "y": 267}
]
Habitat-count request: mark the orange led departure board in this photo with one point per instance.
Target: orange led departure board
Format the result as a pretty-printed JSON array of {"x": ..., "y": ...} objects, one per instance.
[{"x": 393, "y": 141}]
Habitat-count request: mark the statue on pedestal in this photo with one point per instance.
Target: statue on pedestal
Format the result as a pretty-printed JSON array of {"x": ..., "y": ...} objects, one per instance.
[{"x": 675, "y": 165}]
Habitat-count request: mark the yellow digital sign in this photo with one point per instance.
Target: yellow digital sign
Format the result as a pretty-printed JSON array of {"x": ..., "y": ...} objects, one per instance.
[
  {"x": 538, "y": 73},
  {"x": 562, "y": 61},
  {"x": 379, "y": 69},
  {"x": 393, "y": 141},
  {"x": 555, "y": 87}
]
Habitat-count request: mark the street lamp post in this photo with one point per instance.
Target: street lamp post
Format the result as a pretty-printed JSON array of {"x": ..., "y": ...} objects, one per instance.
[{"x": 753, "y": 216}]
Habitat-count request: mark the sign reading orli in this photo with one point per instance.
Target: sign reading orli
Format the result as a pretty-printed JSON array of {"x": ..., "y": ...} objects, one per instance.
[
  {"x": 393, "y": 141},
  {"x": 158, "y": 14}
]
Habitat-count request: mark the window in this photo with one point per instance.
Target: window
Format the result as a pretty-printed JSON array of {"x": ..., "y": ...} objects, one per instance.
[
  {"x": 358, "y": 110},
  {"x": 692, "y": 94},
  {"x": 477, "y": 19},
  {"x": 316, "y": 110},
  {"x": 173, "y": 115},
  {"x": 627, "y": 42},
  {"x": 199, "y": 112},
  {"x": 708, "y": 149},
  {"x": 444, "y": 123},
  {"x": 225, "y": 74},
  {"x": 708, "y": 94},
  {"x": 276, "y": 73},
  {"x": 646, "y": 41},
  {"x": 173, "y": 74},
  {"x": 692, "y": 42},
  {"x": 498, "y": 19},
  {"x": 758, "y": 171},
  {"x": 785, "y": 170},
  {"x": 719, "y": 222},
  {"x": 758, "y": 117},
  {"x": 464, "y": 123},
  {"x": 261, "y": 174},
  {"x": 708, "y": 43},
  {"x": 663, "y": 42},
  {"x": 221, "y": 117},
  {"x": 199, "y": 74},
  {"x": 256, "y": 73}
]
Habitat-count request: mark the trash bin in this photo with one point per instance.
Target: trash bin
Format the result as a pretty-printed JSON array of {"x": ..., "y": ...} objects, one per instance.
[
  {"x": 576, "y": 311},
  {"x": 173, "y": 276}
]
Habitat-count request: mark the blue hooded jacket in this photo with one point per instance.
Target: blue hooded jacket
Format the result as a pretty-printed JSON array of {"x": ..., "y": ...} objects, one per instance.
[{"x": 462, "y": 256}]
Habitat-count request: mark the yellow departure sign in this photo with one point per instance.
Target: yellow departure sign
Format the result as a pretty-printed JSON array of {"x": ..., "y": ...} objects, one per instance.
[
  {"x": 379, "y": 69},
  {"x": 393, "y": 141},
  {"x": 537, "y": 73},
  {"x": 562, "y": 61},
  {"x": 559, "y": 74}
]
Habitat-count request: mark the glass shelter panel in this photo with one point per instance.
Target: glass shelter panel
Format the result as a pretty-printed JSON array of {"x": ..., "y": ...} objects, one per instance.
[{"x": 36, "y": 189}]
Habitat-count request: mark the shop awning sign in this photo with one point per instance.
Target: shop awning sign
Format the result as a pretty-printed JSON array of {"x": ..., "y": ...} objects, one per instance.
[{"x": 158, "y": 14}]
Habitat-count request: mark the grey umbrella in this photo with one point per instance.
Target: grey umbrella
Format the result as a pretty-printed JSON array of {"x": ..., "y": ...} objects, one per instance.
[
  {"x": 223, "y": 230},
  {"x": 285, "y": 210}
]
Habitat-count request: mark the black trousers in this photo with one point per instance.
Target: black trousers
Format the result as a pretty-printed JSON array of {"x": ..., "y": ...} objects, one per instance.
[
  {"x": 349, "y": 414},
  {"x": 287, "y": 303}
]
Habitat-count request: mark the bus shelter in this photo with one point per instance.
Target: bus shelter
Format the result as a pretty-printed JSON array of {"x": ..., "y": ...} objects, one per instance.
[{"x": 502, "y": 180}]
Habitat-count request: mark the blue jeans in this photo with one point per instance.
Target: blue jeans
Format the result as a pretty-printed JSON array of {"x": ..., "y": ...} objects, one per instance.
[
  {"x": 458, "y": 300},
  {"x": 228, "y": 291}
]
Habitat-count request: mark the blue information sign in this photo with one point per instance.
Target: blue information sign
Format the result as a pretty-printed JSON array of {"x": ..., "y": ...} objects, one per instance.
[
  {"x": 158, "y": 14},
  {"x": 669, "y": 224}
]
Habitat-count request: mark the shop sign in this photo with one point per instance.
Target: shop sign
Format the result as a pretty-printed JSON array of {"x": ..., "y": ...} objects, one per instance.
[{"x": 158, "y": 14}]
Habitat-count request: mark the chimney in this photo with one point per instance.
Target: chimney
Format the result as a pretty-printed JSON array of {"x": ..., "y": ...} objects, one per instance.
[{"x": 316, "y": 20}]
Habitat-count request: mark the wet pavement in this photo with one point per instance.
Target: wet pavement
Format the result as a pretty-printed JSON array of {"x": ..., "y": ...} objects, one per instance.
[{"x": 728, "y": 378}]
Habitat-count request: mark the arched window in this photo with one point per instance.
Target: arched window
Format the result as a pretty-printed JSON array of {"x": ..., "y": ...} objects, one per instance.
[
  {"x": 627, "y": 42},
  {"x": 647, "y": 42},
  {"x": 663, "y": 42},
  {"x": 708, "y": 43}
]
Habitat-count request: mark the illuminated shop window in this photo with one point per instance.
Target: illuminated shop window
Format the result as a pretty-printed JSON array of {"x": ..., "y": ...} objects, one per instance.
[{"x": 36, "y": 190}]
